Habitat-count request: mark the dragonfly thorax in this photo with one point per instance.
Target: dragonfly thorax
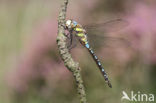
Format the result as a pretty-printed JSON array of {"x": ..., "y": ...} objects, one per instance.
[{"x": 76, "y": 29}]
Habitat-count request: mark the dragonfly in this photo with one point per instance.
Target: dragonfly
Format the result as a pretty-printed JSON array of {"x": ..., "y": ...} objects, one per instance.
[{"x": 77, "y": 30}]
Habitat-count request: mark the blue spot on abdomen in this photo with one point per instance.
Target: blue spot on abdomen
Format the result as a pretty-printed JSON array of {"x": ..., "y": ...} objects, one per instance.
[
  {"x": 95, "y": 57},
  {"x": 87, "y": 45},
  {"x": 99, "y": 63}
]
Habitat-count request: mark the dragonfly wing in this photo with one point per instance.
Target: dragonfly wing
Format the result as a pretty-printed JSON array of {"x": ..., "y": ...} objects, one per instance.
[
  {"x": 108, "y": 26},
  {"x": 98, "y": 41}
]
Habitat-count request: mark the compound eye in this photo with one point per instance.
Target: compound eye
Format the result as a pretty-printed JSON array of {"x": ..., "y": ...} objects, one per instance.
[{"x": 68, "y": 23}]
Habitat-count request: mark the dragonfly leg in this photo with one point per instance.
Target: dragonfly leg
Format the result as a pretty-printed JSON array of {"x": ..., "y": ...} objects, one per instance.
[
  {"x": 72, "y": 44},
  {"x": 69, "y": 37},
  {"x": 64, "y": 26}
]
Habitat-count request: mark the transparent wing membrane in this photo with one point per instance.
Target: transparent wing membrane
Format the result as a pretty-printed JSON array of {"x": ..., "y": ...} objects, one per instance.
[
  {"x": 108, "y": 26},
  {"x": 100, "y": 41}
]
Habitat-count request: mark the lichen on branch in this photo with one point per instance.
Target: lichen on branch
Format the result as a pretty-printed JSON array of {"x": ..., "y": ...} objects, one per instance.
[{"x": 66, "y": 56}]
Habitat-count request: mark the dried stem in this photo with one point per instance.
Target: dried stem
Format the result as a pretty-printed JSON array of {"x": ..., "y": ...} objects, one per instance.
[{"x": 66, "y": 56}]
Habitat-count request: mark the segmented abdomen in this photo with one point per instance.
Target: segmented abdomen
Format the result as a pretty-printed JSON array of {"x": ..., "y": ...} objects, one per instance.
[{"x": 98, "y": 64}]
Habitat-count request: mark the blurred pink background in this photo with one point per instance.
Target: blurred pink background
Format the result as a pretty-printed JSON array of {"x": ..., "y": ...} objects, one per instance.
[{"x": 33, "y": 72}]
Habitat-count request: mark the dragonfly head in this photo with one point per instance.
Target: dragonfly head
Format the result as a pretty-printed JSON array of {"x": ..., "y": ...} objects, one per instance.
[{"x": 70, "y": 24}]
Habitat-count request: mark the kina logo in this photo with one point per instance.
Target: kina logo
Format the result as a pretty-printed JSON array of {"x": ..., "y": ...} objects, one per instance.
[{"x": 137, "y": 97}]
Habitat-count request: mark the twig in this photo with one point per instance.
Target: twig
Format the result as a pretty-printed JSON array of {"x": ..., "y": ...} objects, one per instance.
[{"x": 66, "y": 56}]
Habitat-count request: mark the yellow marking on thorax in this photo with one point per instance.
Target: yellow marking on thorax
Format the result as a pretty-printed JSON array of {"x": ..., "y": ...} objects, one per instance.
[
  {"x": 84, "y": 40},
  {"x": 80, "y": 34},
  {"x": 79, "y": 29}
]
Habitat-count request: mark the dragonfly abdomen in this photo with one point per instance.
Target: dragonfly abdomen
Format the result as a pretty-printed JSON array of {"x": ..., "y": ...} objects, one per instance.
[{"x": 99, "y": 65}]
